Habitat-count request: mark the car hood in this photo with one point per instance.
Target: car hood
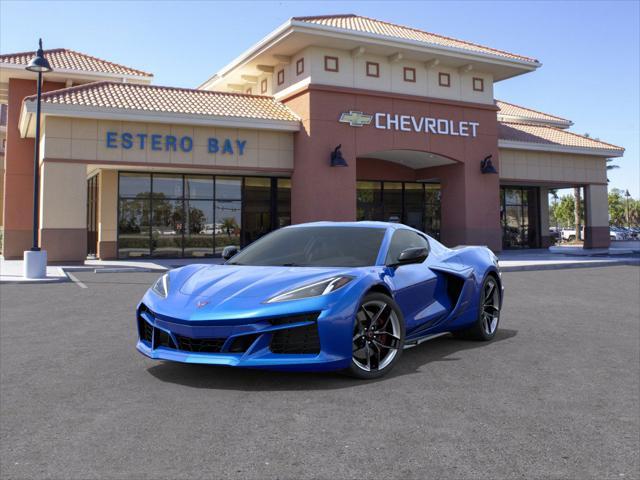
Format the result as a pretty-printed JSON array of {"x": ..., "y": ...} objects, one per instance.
[{"x": 226, "y": 282}]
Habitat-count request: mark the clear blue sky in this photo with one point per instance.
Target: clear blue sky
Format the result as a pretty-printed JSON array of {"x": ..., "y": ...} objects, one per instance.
[{"x": 589, "y": 50}]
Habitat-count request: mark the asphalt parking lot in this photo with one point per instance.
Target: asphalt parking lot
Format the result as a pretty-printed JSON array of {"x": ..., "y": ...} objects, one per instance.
[{"x": 556, "y": 395}]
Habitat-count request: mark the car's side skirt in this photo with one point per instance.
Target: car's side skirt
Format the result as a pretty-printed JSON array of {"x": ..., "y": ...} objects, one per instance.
[{"x": 418, "y": 341}]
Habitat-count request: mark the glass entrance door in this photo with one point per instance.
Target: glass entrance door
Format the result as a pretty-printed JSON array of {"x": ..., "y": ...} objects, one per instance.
[
  {"x": 520, "y": 217},
  {"x": 412, "y": 203}
]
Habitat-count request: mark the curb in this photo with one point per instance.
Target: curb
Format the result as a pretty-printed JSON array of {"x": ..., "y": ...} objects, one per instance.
[
  {"x": 567, "y": 266},
  {"x": 127, "y": 270}
]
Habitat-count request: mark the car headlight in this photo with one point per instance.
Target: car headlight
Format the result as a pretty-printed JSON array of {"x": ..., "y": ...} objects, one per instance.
[
  {"x": 316, "y": 289},
  {"x": 161, "y": 287}
]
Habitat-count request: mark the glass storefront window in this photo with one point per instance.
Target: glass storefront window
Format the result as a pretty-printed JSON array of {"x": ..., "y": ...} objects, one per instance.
[
  {"x": 166, "y": 227},
  {"x": 413, "y": 203},
  {"x": 199, "y": 187},
  {"x": 167, "y": 186},
  {"x": 228, "y": 188},
  {"x": 170, "y": 215},
  {"x": 369, "y": 200},
  {"x": 199, "y": 228},
  {"x": 257, "y": 209},
  {"x": 135, "y": 185},
  {"x": 392, "y": 202},
  {"x": 228, "y": 212},
  {"x": 283, "y": 203},
  {"x": 228, "y": 216},
  {"x": 432, "y": 209},
  {"x": 133, "y": 227}
]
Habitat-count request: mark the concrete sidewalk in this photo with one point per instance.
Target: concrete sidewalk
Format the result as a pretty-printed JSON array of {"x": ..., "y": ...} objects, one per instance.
[
  {"x": 11, "y": 271},
  {"x": 543, "y": 259}
]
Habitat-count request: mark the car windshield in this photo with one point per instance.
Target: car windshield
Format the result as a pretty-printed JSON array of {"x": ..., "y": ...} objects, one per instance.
[{"x": 314, "y": 247}]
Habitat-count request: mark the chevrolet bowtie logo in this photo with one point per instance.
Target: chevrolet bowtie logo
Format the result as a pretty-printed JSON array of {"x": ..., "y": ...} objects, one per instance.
[{"x": 355, "y": 119}]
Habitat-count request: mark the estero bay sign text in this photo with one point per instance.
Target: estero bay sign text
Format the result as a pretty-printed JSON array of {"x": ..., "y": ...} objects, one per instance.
[{"x": 171, "y": 143}]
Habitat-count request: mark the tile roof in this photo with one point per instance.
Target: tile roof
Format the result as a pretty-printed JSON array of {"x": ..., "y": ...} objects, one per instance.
[
  {"x": 65, "y": 59},
  {"x": 369, "y": 25},
  {"x": 546, "y": 135},
  {"x": 512, "y": 110},
  {"x": 153, "y": 98}
]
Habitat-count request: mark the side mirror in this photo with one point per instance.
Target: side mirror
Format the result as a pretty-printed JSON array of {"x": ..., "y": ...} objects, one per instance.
[
  {"x": 412, "y": 255},
  {"x": 230, "y": 251}
]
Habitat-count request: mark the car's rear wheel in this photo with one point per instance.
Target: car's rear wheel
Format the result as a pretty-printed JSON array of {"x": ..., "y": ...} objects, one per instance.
[
  {"x": 378, "y": 337},
  {"x": 486, "y": 325}
]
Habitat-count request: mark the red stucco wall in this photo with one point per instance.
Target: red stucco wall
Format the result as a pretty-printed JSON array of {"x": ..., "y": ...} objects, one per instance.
[
  {"x": 470, "y": 200},
  {"x": 18, "y": 179}
]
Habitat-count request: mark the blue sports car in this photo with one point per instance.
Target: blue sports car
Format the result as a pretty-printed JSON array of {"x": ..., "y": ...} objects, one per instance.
[{"x": 322, "y": 296}]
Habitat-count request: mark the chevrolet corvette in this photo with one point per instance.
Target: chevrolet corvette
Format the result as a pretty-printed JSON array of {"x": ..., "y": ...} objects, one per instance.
[{"x": 344, "y": 296}]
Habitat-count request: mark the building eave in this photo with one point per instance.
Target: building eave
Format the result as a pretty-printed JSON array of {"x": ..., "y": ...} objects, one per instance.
[
  {"x": 528, "y": 120},
  {"x": 81, "y": 74},
  {"x": 542, "y": 147},
  {"x": 295, "y": 26},
  {"x": 415, "y": 44},
  {"x": 128, "y": 115}
]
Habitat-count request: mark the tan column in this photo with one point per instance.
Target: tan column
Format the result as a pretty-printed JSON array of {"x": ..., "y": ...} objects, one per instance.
[
  {"x": 107, "y": 214},
  {"x": 597, "y": 216},
  {"x": 63, "y": 211},
  {"x": 545, "y": 237}
]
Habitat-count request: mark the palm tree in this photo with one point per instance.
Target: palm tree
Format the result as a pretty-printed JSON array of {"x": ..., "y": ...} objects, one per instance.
[{"x": 611, "y": 167}]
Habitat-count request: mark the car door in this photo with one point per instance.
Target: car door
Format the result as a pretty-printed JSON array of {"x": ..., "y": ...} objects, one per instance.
[{"x": 414, "y": 284}]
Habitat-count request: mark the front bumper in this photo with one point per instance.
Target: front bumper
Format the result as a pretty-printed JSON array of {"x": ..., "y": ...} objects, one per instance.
[{"x": 311, "y": 341}]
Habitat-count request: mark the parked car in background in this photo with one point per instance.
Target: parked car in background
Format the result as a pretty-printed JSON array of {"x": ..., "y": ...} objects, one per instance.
[
  {"x": 554, "y": 233},
  {"x": 569, "y": 234},
  {"x": 618, "y": 234}
]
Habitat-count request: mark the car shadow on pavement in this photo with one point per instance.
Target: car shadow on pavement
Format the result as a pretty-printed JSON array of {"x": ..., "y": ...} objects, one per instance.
[{"x": 249, "y": 380}]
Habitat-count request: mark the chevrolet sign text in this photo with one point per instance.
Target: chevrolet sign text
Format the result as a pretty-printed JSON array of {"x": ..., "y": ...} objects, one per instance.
[
  {"x": 410, "y": 123},
  {"x": 438, "y": 126}
]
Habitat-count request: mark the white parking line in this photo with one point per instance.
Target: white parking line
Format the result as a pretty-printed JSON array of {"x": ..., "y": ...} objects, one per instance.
[{"x": 75, "y": 280}]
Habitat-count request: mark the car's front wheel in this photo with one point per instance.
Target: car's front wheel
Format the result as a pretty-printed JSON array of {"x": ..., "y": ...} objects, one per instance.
[{"x": 378, "y": 337}]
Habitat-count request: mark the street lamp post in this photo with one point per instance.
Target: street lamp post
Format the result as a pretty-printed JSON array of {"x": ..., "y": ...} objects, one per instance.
[{"x": 35, "y": 260}]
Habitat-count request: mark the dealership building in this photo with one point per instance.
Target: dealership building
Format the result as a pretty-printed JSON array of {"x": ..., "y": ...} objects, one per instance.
[{"x": 327, "y": 118}]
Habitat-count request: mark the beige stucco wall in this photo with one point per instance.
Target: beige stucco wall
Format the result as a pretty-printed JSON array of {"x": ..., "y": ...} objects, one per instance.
[
  {"x": 525, "y": 165},
  {"x": 107, "y": 206},
  {"x": 597, "y": 203},
  {"x": 63, "y": 198},
  {"x": 80, "y": 139},
  {"x": 352, "y": 74}
]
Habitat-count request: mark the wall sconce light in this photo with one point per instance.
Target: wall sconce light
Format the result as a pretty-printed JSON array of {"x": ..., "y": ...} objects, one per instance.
[
  {"x": 337, "y": 160},
  {"x": 486, "y": 166}
]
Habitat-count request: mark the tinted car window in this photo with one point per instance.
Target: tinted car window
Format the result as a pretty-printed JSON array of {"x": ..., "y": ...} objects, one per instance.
[
  {"x": 314, "y": 247},
  {"x": 403, "y": 239}
]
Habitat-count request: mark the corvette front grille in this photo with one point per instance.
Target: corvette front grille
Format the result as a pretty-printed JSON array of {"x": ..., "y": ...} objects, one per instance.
[
  {"x": 296, "y": 340},
  {"x": 162, "y": 339},
  {"x": 201, "y": 345},
  {"x": 145, "y": 331}
]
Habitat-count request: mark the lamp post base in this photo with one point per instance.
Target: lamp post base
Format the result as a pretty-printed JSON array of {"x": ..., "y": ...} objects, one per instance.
[{"x": 35, "y": 263}]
